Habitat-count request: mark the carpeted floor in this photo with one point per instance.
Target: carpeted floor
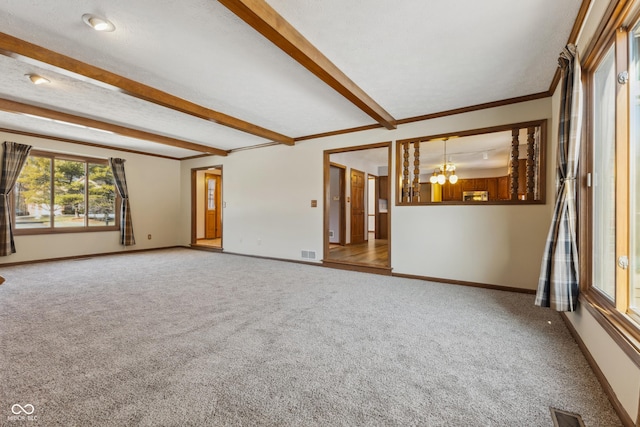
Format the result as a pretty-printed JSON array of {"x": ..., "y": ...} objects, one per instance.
[{"x": 182, "y": 337}]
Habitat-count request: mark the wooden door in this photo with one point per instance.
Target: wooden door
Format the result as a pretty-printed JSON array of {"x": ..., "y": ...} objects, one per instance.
[
  {"x": 357, "y": 207},
  {"x": 212, "y": 222}
]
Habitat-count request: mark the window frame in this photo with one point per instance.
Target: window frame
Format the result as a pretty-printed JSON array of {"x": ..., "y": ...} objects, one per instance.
[
  {"x": 51, "y": 229},
  {"x": 616, "y": 317}
]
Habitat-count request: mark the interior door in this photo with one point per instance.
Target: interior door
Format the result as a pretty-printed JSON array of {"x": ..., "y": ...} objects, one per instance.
[
  {"x": 357, "y": 206},
  {"x": 212, "y": 223}
]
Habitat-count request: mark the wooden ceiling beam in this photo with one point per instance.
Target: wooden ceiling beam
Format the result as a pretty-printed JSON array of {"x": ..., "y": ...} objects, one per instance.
[
  {"x": 28, "y": 52},
  {"x": 20, "y": 108},
  {"x": 264, "y": 19}
]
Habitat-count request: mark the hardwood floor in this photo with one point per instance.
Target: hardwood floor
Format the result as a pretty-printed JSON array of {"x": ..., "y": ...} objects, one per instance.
[
  {"x": 214, "y": 243},
  {"x": 372, "y": 252}
]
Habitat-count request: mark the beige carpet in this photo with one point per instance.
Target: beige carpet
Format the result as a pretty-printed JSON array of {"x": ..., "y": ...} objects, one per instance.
[{"x": 182, "y": 337}]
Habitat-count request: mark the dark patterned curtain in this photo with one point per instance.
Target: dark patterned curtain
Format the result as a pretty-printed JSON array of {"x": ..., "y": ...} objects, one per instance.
[
  {"x": 558, "y": 285},
  {"x": 126, "y": 226},
  {"x": 14, "y": 156}
]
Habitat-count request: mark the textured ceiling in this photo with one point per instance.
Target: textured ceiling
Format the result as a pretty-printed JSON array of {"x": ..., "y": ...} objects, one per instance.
[
  {"x": 412, "y": 57},
  {"x": 423, "y": 57}
]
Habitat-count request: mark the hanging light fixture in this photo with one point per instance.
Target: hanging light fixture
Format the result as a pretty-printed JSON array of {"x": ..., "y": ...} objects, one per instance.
[{"x": 445, "y": 172}]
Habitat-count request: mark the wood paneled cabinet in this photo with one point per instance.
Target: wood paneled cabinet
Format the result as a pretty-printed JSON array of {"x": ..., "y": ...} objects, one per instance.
[
  {"x": 503, "y": 187},
  {"x": 492, "y": 188},
  {"x": 497, "y": 188},
  {"x": 383, "y": 187},
  {"x": 382, "y": 227}
]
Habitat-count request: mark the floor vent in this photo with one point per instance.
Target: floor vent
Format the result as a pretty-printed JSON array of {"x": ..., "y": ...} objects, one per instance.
[
  {"x": 308, "y": 254},
  {"x": 565, "y": 419}
]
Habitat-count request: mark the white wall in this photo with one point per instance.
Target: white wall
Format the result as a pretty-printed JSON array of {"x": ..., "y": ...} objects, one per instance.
[
  {"x": 154, "y": 188},
  {"x": 268, "y": 209},
  {"x": 268, "y": 195}
]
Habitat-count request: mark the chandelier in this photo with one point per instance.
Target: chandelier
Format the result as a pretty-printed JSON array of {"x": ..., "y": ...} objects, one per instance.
[{"x": 447, "y": 171}]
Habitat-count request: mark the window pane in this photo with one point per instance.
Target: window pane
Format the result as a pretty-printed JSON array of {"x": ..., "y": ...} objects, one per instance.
[
  {"x": 102, "y": 196},
  {"x": 32, "y": 194},
  {"x": 634, "y": 162},
  {"x": 69, "y": 182},
  {"x": 604, "y": 190}
]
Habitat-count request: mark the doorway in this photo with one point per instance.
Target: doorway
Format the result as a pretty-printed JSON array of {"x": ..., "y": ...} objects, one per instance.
[
  {"x": 212, "y": 216},
  {"x": 355, "y": 213},
  {"x": 206, "y": 208}
]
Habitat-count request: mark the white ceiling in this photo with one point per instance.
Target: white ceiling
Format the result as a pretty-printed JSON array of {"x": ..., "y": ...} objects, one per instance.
[{"x": 412, "y": 57}]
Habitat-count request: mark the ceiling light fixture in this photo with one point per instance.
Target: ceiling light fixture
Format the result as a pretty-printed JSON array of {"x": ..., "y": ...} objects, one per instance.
[
  {"x": 36, "y": 79},
  {"x": 445, "y": 172},
  {"x": 98, "y": 23}
]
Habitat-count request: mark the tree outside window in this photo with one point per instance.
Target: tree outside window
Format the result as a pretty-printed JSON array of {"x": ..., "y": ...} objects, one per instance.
[{"x": 59, "y": 193}]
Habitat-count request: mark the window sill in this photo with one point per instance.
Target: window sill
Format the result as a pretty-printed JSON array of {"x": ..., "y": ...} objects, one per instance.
[
  {"x": 621, "y": 328},
  {"x": 474, "y": 203},
  {"x": 41, "y": 231}
]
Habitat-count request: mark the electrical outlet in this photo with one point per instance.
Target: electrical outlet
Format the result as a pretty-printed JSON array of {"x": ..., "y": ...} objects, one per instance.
[{"x": 149, "y": 236}]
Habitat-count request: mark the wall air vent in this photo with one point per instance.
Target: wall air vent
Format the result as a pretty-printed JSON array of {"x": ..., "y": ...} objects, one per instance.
[{"x": 308, "y": 254}]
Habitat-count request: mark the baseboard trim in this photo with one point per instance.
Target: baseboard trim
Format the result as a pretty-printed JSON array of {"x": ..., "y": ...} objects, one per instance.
[
  {"x": 464, "y": 283},
  {"x": 617, "y": 406},
  {"x": 315, "y": 264},
  {"x": 67, "y": 258}
]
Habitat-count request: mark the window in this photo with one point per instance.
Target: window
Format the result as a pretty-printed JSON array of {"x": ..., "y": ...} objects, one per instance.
[
  {"x": 610, "y": 200},
  {"x": 634, "y": 165},
  {"x": 603, "y": 181},
  {"x": 59, "y": 193}
]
